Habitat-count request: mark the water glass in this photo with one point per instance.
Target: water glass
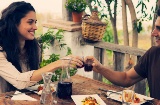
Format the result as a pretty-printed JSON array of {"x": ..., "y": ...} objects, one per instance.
[
  {"x": 46, "y": 96},
  {"x": 55, "y": 98},
  {"x": 127, "y": 97}
]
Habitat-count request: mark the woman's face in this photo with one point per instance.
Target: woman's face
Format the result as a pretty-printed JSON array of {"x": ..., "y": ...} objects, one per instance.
[{"x": 27, "y": 26}]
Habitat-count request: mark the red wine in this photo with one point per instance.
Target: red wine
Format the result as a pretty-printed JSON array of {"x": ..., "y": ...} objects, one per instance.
[
  {"x": 64, "y": 90},
  {"x": 88, "y": 67},
  {"x": 80, "y": 66}
]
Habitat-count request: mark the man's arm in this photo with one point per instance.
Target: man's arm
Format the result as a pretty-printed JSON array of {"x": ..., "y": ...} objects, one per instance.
[{"x": 124, "y": 79}]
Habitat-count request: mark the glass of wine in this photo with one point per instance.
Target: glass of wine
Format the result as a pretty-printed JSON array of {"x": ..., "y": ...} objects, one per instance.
[{"x": 88, "y": 68}]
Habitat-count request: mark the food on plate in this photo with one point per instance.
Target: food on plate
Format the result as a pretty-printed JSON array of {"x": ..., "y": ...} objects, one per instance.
[
  {"x": 40, "y": 88},
  {"x": 136, "y": 99},
  {"x": 90, "y": 101}
]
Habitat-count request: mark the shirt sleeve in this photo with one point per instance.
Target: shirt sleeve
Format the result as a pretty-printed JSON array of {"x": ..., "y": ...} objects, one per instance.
[{"x": 12, "y": 75}]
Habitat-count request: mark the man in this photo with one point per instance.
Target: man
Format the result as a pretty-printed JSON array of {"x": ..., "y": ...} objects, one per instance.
[
  {"x": 156, "y": 32},
  {"x": 147, "y": 67}
]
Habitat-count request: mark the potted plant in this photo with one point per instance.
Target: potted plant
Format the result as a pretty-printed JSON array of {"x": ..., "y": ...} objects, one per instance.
[{"x": 76, "y": 7}]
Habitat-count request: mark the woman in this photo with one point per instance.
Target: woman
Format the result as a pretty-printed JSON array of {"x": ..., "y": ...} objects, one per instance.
[{"x": 19, "y": 50}]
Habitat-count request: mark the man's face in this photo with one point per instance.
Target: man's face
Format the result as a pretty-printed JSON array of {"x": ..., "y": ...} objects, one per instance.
[{"x": 156, "y": 31}]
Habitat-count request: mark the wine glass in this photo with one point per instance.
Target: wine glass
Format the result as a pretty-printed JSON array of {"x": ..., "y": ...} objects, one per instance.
[{"x": 88, "y": 68}]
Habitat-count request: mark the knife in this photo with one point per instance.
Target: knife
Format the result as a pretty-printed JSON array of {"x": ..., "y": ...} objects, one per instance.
[
  {"x": 110, "y": 91},
  {"x": 27, "y": 91}
]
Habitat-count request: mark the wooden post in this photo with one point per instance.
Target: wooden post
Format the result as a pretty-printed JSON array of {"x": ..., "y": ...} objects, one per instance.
[
  {"x": 140, "y": 87},
  {"x": 98, "y": 53},
  {"x": 118, "y": 61},
  {"x": 66, "y": 15}
]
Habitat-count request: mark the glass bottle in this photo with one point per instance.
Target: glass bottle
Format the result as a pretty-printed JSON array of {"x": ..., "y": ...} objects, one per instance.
[
  {"x": 46, "y": 96},
  {"x": 64, "y": 87}
]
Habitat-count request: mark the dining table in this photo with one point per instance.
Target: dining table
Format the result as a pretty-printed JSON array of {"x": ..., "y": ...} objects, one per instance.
[{"x": 81, "y": 86}]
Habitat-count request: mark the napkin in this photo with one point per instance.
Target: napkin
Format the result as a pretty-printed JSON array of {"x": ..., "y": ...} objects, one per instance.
[{"x": 22, "y": 96}]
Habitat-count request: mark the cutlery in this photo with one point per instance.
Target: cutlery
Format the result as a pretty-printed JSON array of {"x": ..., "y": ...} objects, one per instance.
[
  {"x": 149, "y": 101},
  {"x": 23, "y": 91},
  {"x": 27, "y": 91},
  {"x": 110, "y": 91}
]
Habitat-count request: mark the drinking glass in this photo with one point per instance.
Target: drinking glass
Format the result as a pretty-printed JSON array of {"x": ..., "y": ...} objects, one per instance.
[
  {"x": 127, "y": 97},
  {"x": 88, "y": 68},
  {"x": 46, "y": 96}
]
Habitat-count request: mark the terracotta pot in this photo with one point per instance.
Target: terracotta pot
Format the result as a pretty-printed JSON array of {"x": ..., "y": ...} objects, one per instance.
[{"x": 77, "y": 17}]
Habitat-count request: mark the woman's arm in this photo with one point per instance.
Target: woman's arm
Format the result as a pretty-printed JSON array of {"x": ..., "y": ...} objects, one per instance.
[
  {"x": 23, "y": 80},
  {"x": 64, "y": 62}
]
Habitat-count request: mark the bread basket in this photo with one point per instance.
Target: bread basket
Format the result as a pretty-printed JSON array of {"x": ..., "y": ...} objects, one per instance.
[{"x": 92, "y": 27}]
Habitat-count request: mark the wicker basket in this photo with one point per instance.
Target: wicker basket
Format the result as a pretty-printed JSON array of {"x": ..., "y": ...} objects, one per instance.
[{"x": 92, "y": 28}]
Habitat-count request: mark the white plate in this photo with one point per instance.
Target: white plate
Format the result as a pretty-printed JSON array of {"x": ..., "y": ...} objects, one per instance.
[
  {"x": 79, "y": 98},
  {"x": 35, "y": 87},
  {"x": 118, "y": 97}
]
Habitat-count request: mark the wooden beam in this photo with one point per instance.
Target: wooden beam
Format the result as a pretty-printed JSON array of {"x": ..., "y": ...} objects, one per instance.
[{"x": 116, "y": 47}]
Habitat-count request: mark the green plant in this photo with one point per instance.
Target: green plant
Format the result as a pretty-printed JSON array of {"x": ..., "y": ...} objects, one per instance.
[
  {"x": 48, "y": 38},
  {"x": 76, "y": 5},
  {"x": 46, "y": 41}
]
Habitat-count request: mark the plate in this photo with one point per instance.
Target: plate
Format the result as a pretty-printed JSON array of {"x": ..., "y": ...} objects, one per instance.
[
  {"x": 118, "y": 97},
  {"x": 79, "y": 98},
  {"x": 35, "y": 87}
]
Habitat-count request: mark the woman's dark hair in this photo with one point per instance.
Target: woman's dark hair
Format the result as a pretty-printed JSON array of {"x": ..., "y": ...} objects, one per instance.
[
  {"x": 10, "y": 19},
  {"x": 158, "y": 12}
]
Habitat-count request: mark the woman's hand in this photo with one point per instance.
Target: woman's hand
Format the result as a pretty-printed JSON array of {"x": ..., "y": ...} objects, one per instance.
[
  {"x": 95, "y": 63},
  {"x": 72, "y": 61}
]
